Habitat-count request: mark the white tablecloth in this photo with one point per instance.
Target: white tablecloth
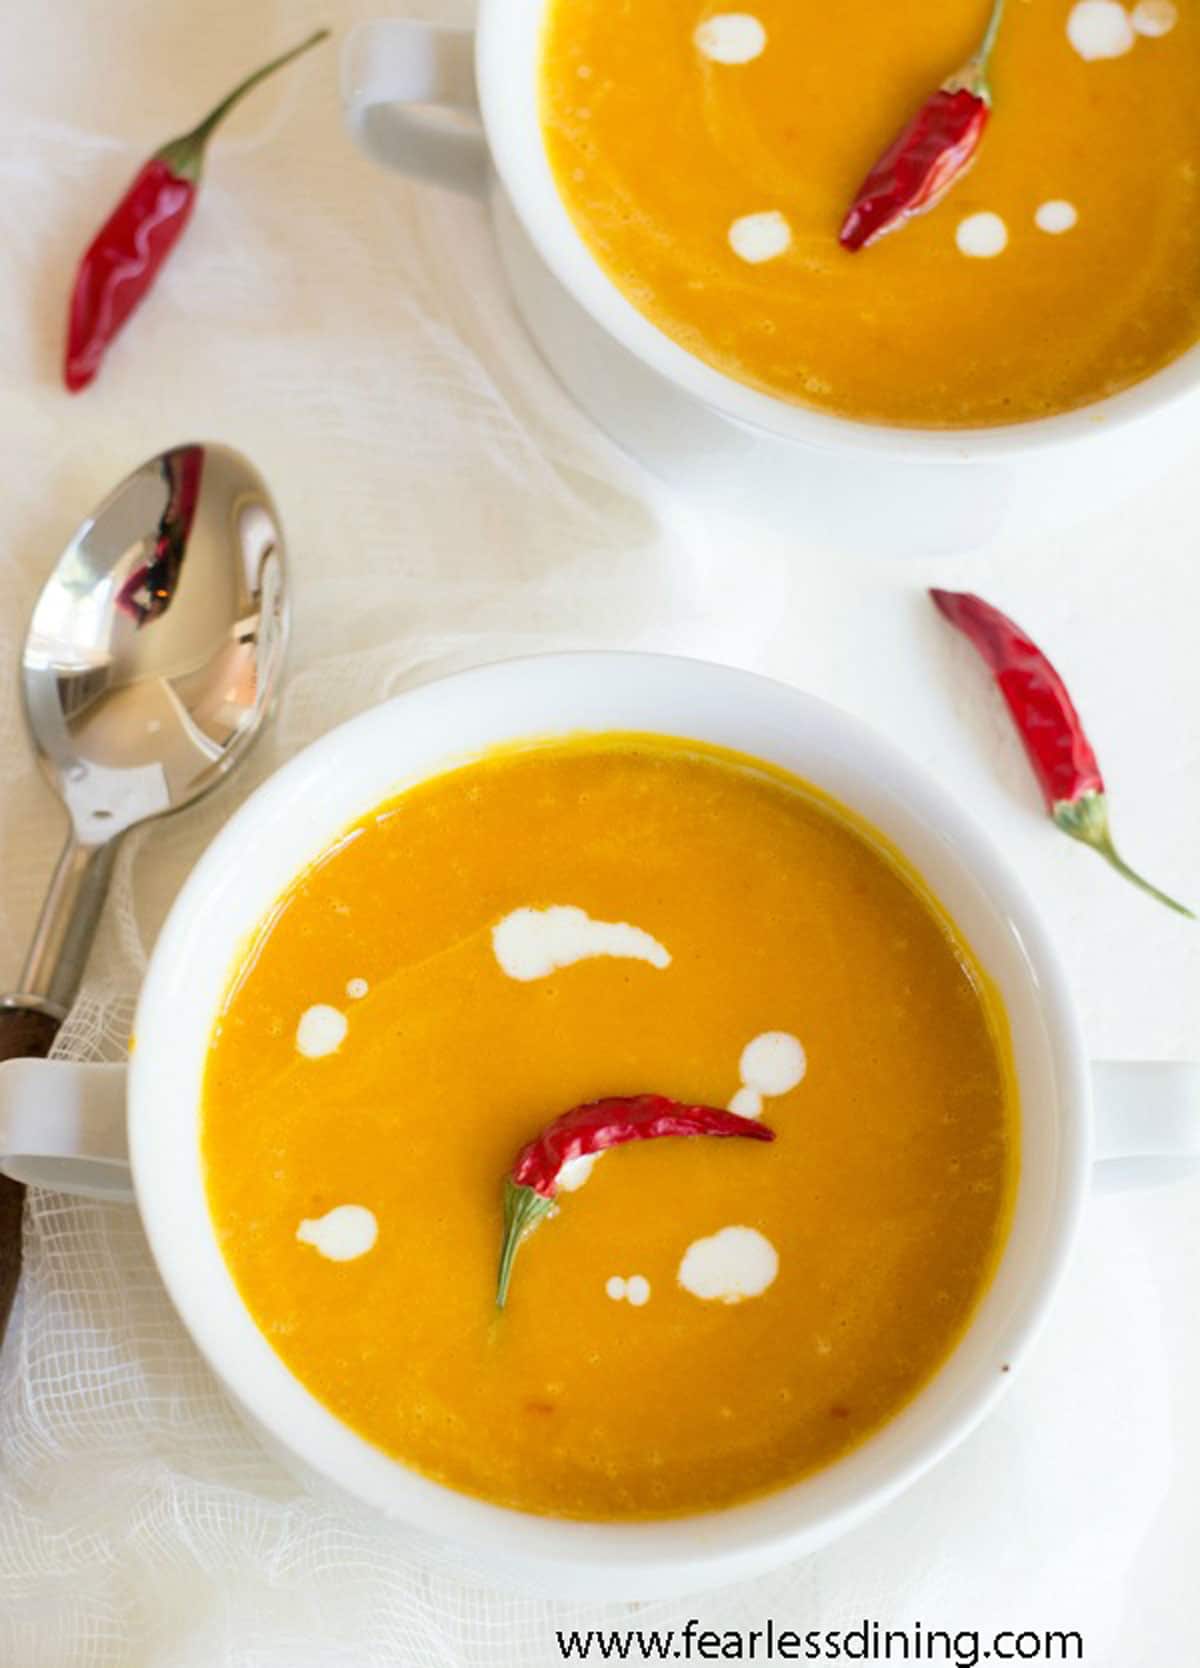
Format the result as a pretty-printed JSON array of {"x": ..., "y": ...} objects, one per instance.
[{"x": 445, "y": 504}]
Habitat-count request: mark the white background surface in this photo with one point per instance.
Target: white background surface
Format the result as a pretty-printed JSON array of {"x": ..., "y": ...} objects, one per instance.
[{"x": 445, "y": 505}]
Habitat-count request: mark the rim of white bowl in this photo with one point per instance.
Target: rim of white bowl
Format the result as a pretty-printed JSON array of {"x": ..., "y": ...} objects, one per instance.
[{"x": 647, "y": 1558}]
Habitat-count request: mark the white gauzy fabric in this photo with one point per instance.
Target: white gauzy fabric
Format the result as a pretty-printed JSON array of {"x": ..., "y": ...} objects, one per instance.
[{"x": 446, "y": 505}]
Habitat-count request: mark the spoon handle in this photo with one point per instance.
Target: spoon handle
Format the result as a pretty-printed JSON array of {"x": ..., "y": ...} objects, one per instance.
[
  {"x": 67, "y": 925},
  {"x": 50, "y": 978},
  {"x": 23, "y": 1032}
]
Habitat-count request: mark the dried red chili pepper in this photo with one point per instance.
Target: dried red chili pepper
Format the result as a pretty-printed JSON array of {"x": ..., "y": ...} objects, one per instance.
[
  {"x": 1048, "y": 724},
  {"x": 532, "y": 1184},
  {"x": 936, "y": 148},
  {"x": 128, "y": 251}
]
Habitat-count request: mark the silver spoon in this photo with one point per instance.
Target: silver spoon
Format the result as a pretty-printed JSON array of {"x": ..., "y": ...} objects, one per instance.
[{"x": 150, "y": 663}]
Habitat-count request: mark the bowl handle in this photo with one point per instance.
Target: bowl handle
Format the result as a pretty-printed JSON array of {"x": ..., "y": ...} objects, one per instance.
[
  {"x": 62, "y": 1125},
  {"x": 409, "y": 101},
  {"x": 1147, "y": 1123}
]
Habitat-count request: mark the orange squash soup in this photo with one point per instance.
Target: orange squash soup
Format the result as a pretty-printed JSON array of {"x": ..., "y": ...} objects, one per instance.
[
  {"x": 698, "y": 1320},
  {"x": 708, "y": 156}
]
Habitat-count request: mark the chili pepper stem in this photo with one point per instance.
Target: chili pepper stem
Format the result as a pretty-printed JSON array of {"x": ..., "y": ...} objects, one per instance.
[
  {"x": 523, "y": 1210},
  {"x": 990, "y": 33},
  {"x": 974, "y": 74},
  {"x": 1086, "y": 819},
  {"x": 184, "y": 156}
]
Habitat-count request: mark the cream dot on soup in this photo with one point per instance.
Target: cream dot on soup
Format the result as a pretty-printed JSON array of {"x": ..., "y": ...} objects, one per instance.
[
  {"x": 342, "y": 1234},
  {"x": 747, "y": 1103},
  {"x": 981, "y": 235},
  {"x": 730, "y": 37},
  {"x": 321, "y": 1030},
  {"x": 533, "y": 943},
  {"x": 760, "y": 237},
  {"x": 635, "y": 1290},
  {"x": 1055, "y": 216},
  {"x": 1155, "y": 17},
  {"x": 1100, "y": 29},
  {"x": 773, "y": 1063},
  {"x": 357, "y": 989},
  {"x": 729, "y": 1266}
]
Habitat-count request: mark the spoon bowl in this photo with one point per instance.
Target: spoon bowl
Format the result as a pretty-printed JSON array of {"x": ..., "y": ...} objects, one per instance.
[{"x": 155, "y": 645}]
